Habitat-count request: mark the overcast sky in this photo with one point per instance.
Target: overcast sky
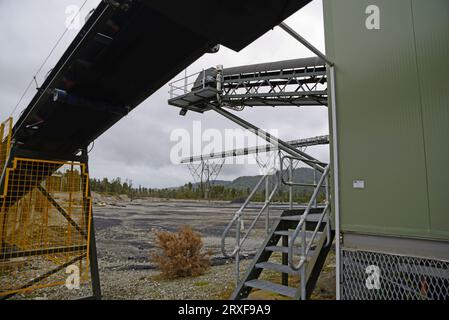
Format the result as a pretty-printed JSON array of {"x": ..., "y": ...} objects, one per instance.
[{"x": 138, "y": 147}]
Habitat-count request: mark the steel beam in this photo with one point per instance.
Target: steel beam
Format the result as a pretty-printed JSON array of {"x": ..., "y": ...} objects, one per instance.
[
  {"x": 61, "y": 210},
  {"x": 93, "y": 259},
  {"x": 309, "y": 160},
  {"x": 320, "y": 140},
  {"x": 45, "y": 276},
  {"x": 306, "y": 43},
  {"x": 40, "y": 252}
]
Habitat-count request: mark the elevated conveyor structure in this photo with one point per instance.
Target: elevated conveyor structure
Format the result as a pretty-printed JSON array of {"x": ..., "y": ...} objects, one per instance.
[
  {"x": 299, "y": 143},
  {"x": 205, "y": 168},
  {"x": 297, "y": 82},
  {"x": 126, "y": 51},
  {"x": 123, "y": 54}
]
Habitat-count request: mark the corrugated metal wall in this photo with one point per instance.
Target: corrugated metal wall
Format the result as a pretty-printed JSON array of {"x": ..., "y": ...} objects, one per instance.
[{"x": 392, "y": 92}]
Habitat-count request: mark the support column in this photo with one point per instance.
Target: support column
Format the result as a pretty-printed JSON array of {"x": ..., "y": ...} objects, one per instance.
[
  {"x": 93, "y": 261},
  {"x": 285, "y": 260}
]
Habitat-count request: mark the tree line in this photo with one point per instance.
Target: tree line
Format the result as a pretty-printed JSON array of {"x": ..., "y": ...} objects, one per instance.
[{"x": 191, "y": 192}]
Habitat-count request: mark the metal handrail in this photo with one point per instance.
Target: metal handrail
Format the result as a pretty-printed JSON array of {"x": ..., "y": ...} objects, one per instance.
[
  {"x": 238, "y": 215},
  {"x": 301, "y": 227},
  {"x": 181, "y": 86},
  {"x": 309, "y": 162},
  {"x": 291, "y": 183}
]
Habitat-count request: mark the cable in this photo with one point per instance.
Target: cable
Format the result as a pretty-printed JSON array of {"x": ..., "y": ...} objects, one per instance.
[
  {"x": 93, "y": 145},
  {"x": 47, "y": 58}
]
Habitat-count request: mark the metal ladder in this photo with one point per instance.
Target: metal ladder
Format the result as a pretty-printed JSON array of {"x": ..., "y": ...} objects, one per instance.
[{"x": 305, "y": 237}]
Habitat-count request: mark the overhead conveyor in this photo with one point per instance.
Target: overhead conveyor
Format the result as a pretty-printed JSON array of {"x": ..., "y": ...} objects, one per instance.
[
  {"x": 205, "y": 168},
  {"x": 292, "y": 82},
  {"x": 297, "y": 82},
  {"x": 299, "y": 143},
  {"x": 126, "y": 51}
]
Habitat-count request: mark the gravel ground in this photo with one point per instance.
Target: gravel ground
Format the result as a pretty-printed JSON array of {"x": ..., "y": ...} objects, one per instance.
[
  {"x": 147, "y": 284},
  {"x": 125, "y": 234}
]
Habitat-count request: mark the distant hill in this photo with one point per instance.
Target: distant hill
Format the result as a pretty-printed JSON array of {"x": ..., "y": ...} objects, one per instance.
[
  {"x": 302, "y": 175},
  {"x": 237, "y": 189}
]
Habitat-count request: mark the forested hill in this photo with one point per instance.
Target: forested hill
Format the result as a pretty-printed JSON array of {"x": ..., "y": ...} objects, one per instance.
[{"x": 220, "y": 189}]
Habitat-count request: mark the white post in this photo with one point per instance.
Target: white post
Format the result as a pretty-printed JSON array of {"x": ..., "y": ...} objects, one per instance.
[
  {"x": 336, "y": 181},
  {"x": 267, "y": 203},
  {"x": 237, "y": 256},
  {"x": 290, "y": 187}
]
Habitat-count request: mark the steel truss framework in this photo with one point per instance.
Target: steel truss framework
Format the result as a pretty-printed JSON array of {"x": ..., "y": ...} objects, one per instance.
[
  {"x": 305, "y": 86},
  {"x": 205, "y": 169},
  {"x": 204, "y": 173},
  {"x": 299, "y": 143},
  {"x": 299, "y": 82}
]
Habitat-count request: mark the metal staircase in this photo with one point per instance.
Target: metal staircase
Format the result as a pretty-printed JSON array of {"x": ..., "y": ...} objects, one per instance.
[
  {"x": 297, "y": 244},
  {"x": 278, "y": 241}
]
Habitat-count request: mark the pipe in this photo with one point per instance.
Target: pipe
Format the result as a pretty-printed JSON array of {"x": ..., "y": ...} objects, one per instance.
[
  {"x": 306, "y": 43},
  {"x": 336, "y": 182}
]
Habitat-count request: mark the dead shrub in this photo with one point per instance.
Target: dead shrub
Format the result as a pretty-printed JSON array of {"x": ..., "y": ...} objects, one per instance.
[{"x": 181, "y": 254}]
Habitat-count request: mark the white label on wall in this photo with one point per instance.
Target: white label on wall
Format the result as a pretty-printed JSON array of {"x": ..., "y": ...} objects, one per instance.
[{"x": 358, "y": 184}]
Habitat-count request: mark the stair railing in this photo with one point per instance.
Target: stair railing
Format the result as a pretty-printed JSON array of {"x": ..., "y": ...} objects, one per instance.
[
  {"x": 238, "y": 221},
  {"x": 290, "y": 183},
  {"x": 301, "y": 230}
]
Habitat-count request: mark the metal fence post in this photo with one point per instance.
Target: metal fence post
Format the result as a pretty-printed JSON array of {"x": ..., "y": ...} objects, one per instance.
[
  {"x": 290, "y": 187},
  {"x": 237, "y": 255},
  {"x": 315, "y": 203},
  {"x": 267, "y": 202},
  {"x": 303, "y": 268}
]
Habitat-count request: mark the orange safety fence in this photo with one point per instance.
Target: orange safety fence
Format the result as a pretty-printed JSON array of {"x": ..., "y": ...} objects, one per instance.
[{"x": 44, "y": 222}]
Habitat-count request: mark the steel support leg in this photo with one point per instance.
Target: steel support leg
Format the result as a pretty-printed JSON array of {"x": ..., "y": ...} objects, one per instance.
[
  {"x": 285, "y": 260},
  {"x": 93, "y": 261}
]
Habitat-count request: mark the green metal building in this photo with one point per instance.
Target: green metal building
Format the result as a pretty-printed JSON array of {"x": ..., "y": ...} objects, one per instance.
[{"x": 390, "y": 142}]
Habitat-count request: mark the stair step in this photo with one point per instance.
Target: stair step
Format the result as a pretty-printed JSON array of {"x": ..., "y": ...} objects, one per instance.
[
  {"x": 285, "y": 250},
  {"x": 272, "y": 287},
  {"x": 309, "y": 234},
  {"x": 313, "y": 217},
  {"x": 276, "y": 267}
]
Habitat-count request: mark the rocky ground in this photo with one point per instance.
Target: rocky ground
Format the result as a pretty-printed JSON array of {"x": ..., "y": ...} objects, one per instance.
[{"x": 125, "y": 234}]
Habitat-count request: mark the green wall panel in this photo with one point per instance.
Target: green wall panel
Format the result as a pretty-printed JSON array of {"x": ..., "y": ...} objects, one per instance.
[
  {"x": 384, "y": 108},
  {"x": 431, "y": 26}
]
